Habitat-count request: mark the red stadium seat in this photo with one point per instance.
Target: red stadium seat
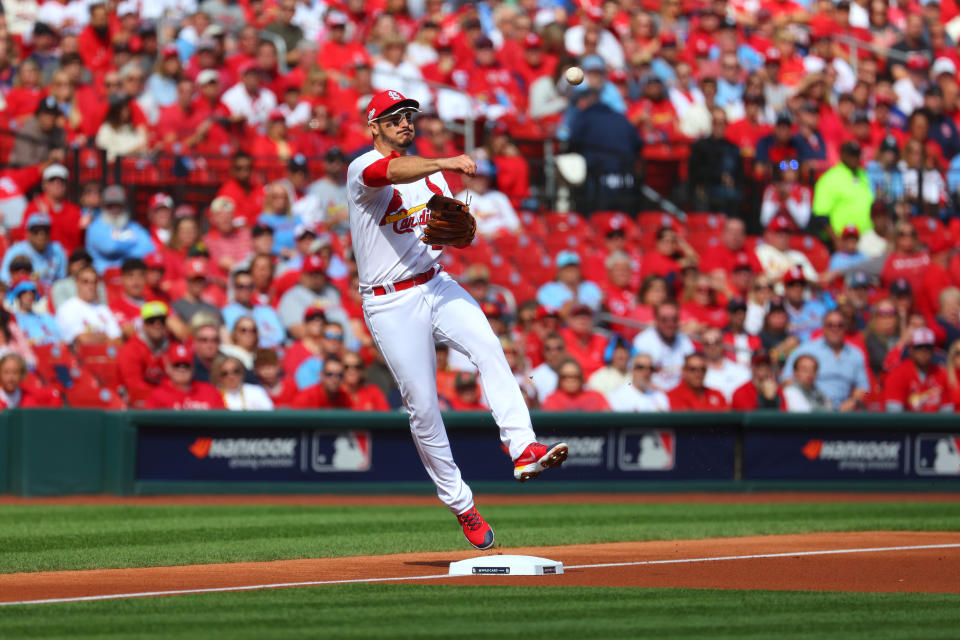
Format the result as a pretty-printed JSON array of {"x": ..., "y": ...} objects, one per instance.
[
  {"x": 601, "y": 220},
  {"x": 927, "y": 227},
  {"x": 101, "y": 361},
  {"x": 701, "y": 221},
  {"x": 811, "y": 247},
  {"x": 54, "y": 362}
]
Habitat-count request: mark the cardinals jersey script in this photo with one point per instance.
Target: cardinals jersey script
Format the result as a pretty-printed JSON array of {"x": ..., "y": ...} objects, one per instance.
[{"x": 386, "y": 221}]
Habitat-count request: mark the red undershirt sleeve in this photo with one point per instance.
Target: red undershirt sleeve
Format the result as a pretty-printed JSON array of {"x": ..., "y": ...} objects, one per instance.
[{"x": 375, "y": 175}]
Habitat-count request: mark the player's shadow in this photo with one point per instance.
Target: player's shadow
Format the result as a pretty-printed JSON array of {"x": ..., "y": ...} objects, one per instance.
[{"x": 435, "y": 563}]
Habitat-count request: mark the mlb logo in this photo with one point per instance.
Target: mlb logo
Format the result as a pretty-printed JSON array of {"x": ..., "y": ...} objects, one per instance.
[
  {"x": 937, "y": 454},
  {"x": 344, "y": 451},
  {"x": 647, "y": 450}
]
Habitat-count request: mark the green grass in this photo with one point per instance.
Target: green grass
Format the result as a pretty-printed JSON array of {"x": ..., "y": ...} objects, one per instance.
[
  {"x": 38, "y": 538},
  {"x": 433, "y": 611}
]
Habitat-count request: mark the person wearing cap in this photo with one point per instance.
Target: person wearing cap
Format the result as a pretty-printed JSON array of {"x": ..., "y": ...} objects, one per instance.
[
  {"x": 312, "y": 287},
  {"x": 270, "y": 328},
  {"x": 140, "y": 359},
  {"x": 337, "y": 50},
  {"x": 248, "y": 102},
  {"x": 193, "y": 299},
  {"x": 842, "y": 373},
  {"x": 246, "y": 191},
  {"x": 806, "y": 313},
  {"x": 179, "y": 390},
  {"x": 324, "y": 202},
  {"x": 48, "y": 258},
  {"x": 847, "y": 255},
  {"x": 569, "y": 287},
  {"x": 692, "y": 394},
  {"x": 39, "y": 135},
  {"x": 84, "y": 319},
  {"x": 775, "y": 147},
  {"x": 490, "y": 207},
  {"x": 37, "y": 325},
  {"x": 466, "y": 395},
  {"x": 762, "y": 390},
  {"x": 127, "y": 302},
  {"x": 328, "y": 393},
  {"x": 918, "y": 384},
  {"x": 775, "y": 254},
  {"x": 113, "y": 236},
  {"x": 638, "y": 395}
]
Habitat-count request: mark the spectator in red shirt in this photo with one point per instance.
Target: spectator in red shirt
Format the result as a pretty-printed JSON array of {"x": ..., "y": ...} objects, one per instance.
[
  {"x": 570, "y": 394},
  {"x": 670, "y": 256},
  {"x": 702, "y": 305},
  {"x": 762, "y": 391},
  {"x": 584, "y": 344},
  {"x": 908, "y": 259},
  {"x": 281, "y": 389},
  {"x": 179, "y": 390},
  {"x": 14, "y": 394},
  {"x": 94, "y": 43},
  {"x": 329, "y": 394},
  {"x": 723, "y": 256},
  {"x": 466, "y": 393},
  {"x": 363, "y": 395},
  {"x": 67, "y": 220},
  {"x": 243, "y": 189},
  {"x": 691, "y": 394},
  {"x": 126, "y": 303},
  {"x": 227, "y": 244},
  {"x": 953, "y": 374},
  {"x": 140, "y": 359},
  {"x": 747, "y": 131},
  {"x": 917, "y": 384}
]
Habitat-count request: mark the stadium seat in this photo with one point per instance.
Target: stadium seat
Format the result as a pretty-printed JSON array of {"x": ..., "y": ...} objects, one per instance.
[
  {"x": 927, "y": 227},
  {"x": 702, "y": 221},
  {"x": 101, "y": 361},
  {"x": 54, "y": 362},
  {"x": 811, "y": 247}
]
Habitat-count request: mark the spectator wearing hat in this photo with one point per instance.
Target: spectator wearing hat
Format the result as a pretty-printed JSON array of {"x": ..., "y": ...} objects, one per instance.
[
  {"x": 113, "y": 237},
  {"x": 325, "y": 199},
  {"x": 119, "y": 135},
  {"x": 313, "y": 286},
  {"x": 193, "y": 299},
  {"x": 910, "y": 82},
  {"x": 842, "y": 373},
  {"x": 84, "y": 319},
  {"x": 227, "y": 243},
  {"x": 179, "y": 390},
  {"x": 740, "y": 344},
  {"x": 583, "y": 344},
  {"x": 723, "y": 373},
  {"x": 47, "y": 258},
  {"x": 691, "y": 393},
  {"x": 842, "y": 194},
  {"x": 569, "y": 287},
  {"x": 37, "y": 325},
  {"x": 806, "y": 313},
  {"x": 787, "y": 195},
  {"x": 160, "y": 218},
  {"x": 775, "y": 254},
  {"x": 801, "y": 394},
  {"x": 774, "y": 334},
  {"x": 67, "y": 221},
  {"x": 571, "y": 394},
  {"x": 246, "y": 192},
  {"x": 127, "y": 302},
  {"x": 329, "y": 393},
  {"x": 270, "y": 328},
  {"x": 228, "y": 374},
  {"x": 466, "y": 393},
  {"x": 188, "y": 124},
  {"x": 908, "y": 260},
  {"x": 775, "y": 147},
  {"x": 654, "y": 114},
  {"x": 638, "y": 395},
  {"x": 14, "y": 393},
  {"x": 39, "y": 135},
  {"x": 884, "y": 174},
  {"x": 762, "y": 390},
  {"x": 490, "y": 207},
  {"x": 716, "y": 169},
  {"x": 249, "y": 102},
  {"x": 918, "y": 384},
  {"x": 666, "y": 345},
  {"x": 847, "y": 255},
  {"x": 140, "y": 359}
]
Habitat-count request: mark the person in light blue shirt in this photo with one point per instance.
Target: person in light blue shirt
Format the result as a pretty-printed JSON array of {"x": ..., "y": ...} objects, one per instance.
[
  {"x": 162, "y": 83},
  {"x": 113, "y": 237},
  {"x": 39, "y": 328},
  {"x": 270, "y": 329},
  {"x": 884, "y": 175},
  {"x": 842, "y": 373},
  {"x": 48, "y": 258},
  {"x": 847, "y": 255},
  {"x": 806, "y": 315},
  {"x": 569, "y": 287},
  {"x": 278, "y": 216}
]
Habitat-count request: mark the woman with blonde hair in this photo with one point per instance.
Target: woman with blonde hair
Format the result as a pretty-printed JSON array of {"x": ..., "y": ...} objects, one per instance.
[
  {"x": 227, "y": 375},
  {"x": 243, "y": 341}
]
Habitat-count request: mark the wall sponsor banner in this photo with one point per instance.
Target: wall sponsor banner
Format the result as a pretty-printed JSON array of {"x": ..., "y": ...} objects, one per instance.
[
  {"x": 937, "y": 454},
  {"x": 825, "y": 454}
]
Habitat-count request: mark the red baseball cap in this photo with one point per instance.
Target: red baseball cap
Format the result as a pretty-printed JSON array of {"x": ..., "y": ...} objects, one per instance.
[
  {"x": 781, "y": 222},
  {"x": 922, "y": 337},
  {"x": 387, "y": 101},
  {"x": 772, "y": 55},
  {"x": 546, "y": 312},
  {"x": 617, "y": 222},
  {"x": 276, "y": 114},
  {"x": 169, "y": 51},
  {"x": 917, "y": 62},
  {"x": 850, "y": 231},
  {"x": 196, "y": 268},
  {"x": 594, "y": 13},
  {"x": 532, "y": 40},
  {"x": 313, "y": 311},
  {"x": 313, "y": 264},
  {"x": 742, "y": 261},
  {"x": 247, "y": 67},
  {"x": 668, "y": 37},
  {"x": 443, "y": 43},
  {"x": 794, "y": 274},
  {"x": 178, "y": 353},
  {"x": 616, "y": 76},
  {"x": 159, "y": 200},
  {"x": 154, "y": 261}
]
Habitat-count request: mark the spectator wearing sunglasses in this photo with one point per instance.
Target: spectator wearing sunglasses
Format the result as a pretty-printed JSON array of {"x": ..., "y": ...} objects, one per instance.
[
  {"x": 228, "y": 376},
  {"x": 638, "y": 395},
  {"x": 918, "y": 384},
  {"x": 270, "y": 329},
  {"x": 47, "y": 258},
  {"x": 140, "y": 359},
  {"x": 692, "y": 394},
  {"x": 762, "y": 390},
  {"x": 365, "y": 396},
  {"x": 571, "y": 394},
  {"x": 329, "y": 393},
  {"x": 179, "y": 390},
  {"x": 84, "y": 319}
]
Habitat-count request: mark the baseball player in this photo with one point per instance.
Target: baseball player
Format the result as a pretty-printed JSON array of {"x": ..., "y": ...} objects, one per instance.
[{"x": 409, "y": 302}]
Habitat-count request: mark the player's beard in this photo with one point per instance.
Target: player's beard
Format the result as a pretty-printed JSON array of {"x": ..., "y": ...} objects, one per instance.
[{"x": 400, "y": 140}]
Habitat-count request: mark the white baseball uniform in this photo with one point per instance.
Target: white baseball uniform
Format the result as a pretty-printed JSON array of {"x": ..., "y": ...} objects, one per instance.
[{"x": 386, "y": 224}]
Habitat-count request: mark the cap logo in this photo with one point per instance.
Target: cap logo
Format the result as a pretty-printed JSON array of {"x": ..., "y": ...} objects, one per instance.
[
  {"x": 393, "y": 95},
  {"x": 371, "y": 112}
]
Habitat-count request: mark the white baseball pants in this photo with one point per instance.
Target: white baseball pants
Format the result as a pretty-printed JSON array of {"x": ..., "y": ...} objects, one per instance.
[{"x": 404, "y": 325}]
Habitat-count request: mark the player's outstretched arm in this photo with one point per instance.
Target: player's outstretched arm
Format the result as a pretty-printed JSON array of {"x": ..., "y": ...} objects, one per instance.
[{"x": 407, "y": 169}]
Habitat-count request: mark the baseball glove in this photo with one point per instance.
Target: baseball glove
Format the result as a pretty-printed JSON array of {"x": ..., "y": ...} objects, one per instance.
[{"x": 450, "y": 224}]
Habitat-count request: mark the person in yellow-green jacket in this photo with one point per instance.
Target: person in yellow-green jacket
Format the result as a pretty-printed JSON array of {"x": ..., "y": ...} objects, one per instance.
[{"x": 842, "y": 195}]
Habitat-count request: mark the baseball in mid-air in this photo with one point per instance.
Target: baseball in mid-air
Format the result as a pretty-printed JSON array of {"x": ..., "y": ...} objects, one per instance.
[{"x": 574, "y": 75}]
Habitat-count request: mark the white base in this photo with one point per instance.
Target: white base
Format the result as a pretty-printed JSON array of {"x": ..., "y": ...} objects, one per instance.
[{"x": 506, "y": 565}]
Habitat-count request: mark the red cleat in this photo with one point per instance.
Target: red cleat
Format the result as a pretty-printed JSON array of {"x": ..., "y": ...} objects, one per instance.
[
  {"x": 537, "y": 458},
  {"x": 476, "y": 529}
]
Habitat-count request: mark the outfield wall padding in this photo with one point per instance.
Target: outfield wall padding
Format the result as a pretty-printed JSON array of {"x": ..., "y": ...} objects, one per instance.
[{"x": 63, "y": 451}]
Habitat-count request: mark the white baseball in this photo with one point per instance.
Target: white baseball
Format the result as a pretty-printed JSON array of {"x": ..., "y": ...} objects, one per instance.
[{"x": 574, "y": 75}]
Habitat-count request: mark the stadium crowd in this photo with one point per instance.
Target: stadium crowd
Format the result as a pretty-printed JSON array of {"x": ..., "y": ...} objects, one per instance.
[{"x": 815, "y": 143}]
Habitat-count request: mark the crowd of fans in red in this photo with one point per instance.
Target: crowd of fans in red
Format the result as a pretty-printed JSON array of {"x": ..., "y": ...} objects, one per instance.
[{"x": 848, "y": 301}]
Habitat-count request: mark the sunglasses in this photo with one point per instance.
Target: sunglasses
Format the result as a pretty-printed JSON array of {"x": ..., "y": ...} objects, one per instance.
[
  {"x": 695, "y": 369},
  {"x": 792, "y": 164},
  {"x": 643, "y": 367},
  {"x": 394, "y": 120},
  {"x": 183, "y": 365},
  {"x": 886, "y": 313},
  {"x": 834, "y": 325},
  {"x": 246, "y": 329},
  {"x": 231, "y": 372},
  {"x": 568, "y": 376},
  {"x": 243, "y": 287},
  {"x": 332, "y": 335},
  {"x": 155, "y": 320},
  {"x": 333, "y": 374}
]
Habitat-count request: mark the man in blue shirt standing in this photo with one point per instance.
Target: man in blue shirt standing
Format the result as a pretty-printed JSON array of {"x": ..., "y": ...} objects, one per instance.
[
  {"x": 842, "y": 373},
  {"x": 48, "y": 258}
]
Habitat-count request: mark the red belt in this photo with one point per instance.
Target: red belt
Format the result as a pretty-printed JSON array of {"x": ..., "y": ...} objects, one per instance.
[{"x": 400, "y": 285}]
